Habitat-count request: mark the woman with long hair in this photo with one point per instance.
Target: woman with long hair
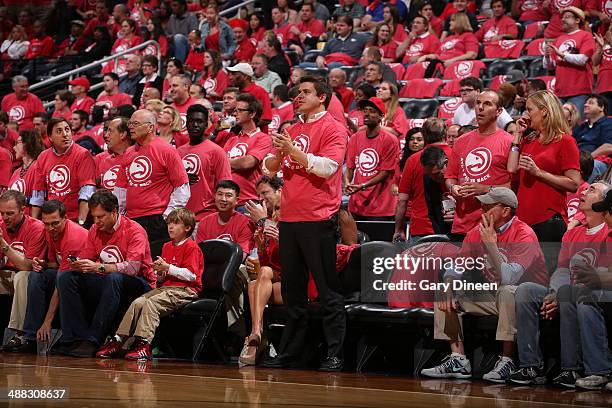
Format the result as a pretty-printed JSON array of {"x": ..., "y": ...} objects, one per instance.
[
  {"x": 154, "y": 31},
  {"x": 28, "y": 147},
  {"x": 213, "y": 79},
  {"x": 547, "y": 160},
  {"x": 391, "y": 16},
  {"x": 460, "y": 45},
  {"x": 100, "y": 47},
  {"x": 385, "y": 43},
  {"x": 169, "y": 126},
  {"x": 129, "y": 36},
  {"x": 413, "y": 143},
  {"x": 217, "y": 34},
  {"x": 16, "y": 45},
  {"x": 395, "y": 121},
  {"x": 256, "y": 28},
  {"x": 173, "y": 67}
]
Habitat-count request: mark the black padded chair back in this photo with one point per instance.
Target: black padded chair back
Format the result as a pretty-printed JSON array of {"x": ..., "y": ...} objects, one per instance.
[
  {"x": 362, "y": 237},
  {"x": 156, "y": 247},
  {"x": 350, "y": 276},
  {"x": 503, "y": 66},
  {"x": 221, "y": 261},
  {"x": 371, "y": 251},
  {"x": 536, "y": 68},
  {"x": 419, "y": 108},
  {"x": 432, "y": 238}
]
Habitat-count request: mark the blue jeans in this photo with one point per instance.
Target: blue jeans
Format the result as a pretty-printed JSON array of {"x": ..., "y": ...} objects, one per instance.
[
  {"x": 181, "y": 47},
  {"x": 87, "y": 294},
  {"x": 40, "y": 289},
  {"x": 584, "y": 337},
  {"x": 578, "y": 101},
  {"x": 329, "y": 66},
  {"x": 599, "y": 169},
  {"x": 529, "y": 297}
]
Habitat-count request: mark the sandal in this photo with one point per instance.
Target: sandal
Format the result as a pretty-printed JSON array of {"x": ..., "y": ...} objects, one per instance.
[{"x": 248, "y": 355}]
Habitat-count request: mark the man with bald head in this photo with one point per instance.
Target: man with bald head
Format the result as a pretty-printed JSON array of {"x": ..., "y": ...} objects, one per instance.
[
  {"x": 152, "y": 181},
  {"x": 337, "y": 81},
  {"x": 478, "y": 163},
  {"x": 181, "y": 100},
  {"x": 129, "y": 81}
]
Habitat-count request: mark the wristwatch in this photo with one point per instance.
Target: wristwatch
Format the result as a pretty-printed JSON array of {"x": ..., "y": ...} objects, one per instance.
[
  {"x": 81, "y": 222},
  {"x": 102, "y": 268}
]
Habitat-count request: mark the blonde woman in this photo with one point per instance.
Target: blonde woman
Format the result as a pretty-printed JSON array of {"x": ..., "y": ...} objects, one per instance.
[
  {"x": 547, "y": 160},
  {"x": 16, "y": 45},
  {"x": 395, "y": 121},
  {"x": 383, "y": 39},
  {"x": 571, "y": 114},
  {"x": 169, "y": 127},
  {"x": 460, "y": 45}
]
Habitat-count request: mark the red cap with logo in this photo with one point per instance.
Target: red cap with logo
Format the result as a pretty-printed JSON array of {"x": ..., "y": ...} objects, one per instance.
[{"x": 80, "y": 81}]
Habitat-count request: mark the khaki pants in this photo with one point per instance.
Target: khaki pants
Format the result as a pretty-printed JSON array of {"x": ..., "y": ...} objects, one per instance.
[
  {"x": 142, "y": 317},
  {"x": 449, "y": 325},
  {"x": 16, "y": 284}
]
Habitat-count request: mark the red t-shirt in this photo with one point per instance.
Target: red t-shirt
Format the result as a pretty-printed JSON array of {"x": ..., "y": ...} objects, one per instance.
[
  {"x": 83, "y": 104},
  {"x": 262, "y": 96},
  {"x": 532, "y": 10},
  {"x": 150, "y": 173},
  {"x": 306, "y": 196},
  {"x": 24, "y": 183},
  {"x": 216, "y": 84},
  {"x": 245, "y": 51},
  {"x": 195, "y": 59},
  {"x": 8, "y": 142},
  {"x": 346, "y": 96},
  {"x": 256, "y": 144},
  {"x": 389, "y": 50},
  {"x": 604, "y": 78},
  {"x": 572, "y": 203},
  {"x": 494, "y": 27},
  {"x": 6, "y": 167},
  {"x": 458, "y": 44},
  {"x": 477, "y": 159},
  {"x": 577, "y": 244},
  {"x": 22, "y": 111},
  {"x": 356, "y": 116},
  {"x": 553, "y": 30},
  {"x": 368, "y": 157},
  {"x": 399, "y": 123},
  {"x": 313, "y": 28},
  {"x": 117, "y": 99},
  {"x": 182, "y": 109},
  {"x": 280, "y": 115},
  {"x": 62, "y": 176},
  {"x": 127, "y": 243},
  {"x": 411, "y": 183},
  {"x": 186, "y": 255},
  {"x": 97, "y": 134},
  {"x": 40, "y": 47},
  {"x": 210, "y": 163},
  {"x": 426, "y": 43},
  {"x": 238, "y": 229},
  {"x": 538, "y": 200},
  {"x": 108, "y": 166},
  {"x": 69, "y": 243},
  {"x": 29, "y": 239},
  {"x": 122, "y": 44},
  {"x": 516, "y": 244},
  {"x": 573, "y": 79},
  {"x": 284, "y": 34}
]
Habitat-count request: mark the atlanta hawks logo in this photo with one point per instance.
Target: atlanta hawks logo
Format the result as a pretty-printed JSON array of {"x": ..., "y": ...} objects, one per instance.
[
  {"x": 17, "y": 113},
  {"x": 529, "y": 5},
  {"x": 608, "y": 7},
  {"x": 140, "y": 169},
  {"x": 424, "y": 249},
  {"x": 109, "y": 178},
  {"x": 567, "y": 46},
  {"x": 572, "y": 207},
  {"x": 226, "y": 237},
  {"x": 450, "y": 106},
  {"x": 111, "y": 254},
  {"x": 415, "y": 48},
  {"x": 150, "y": 50},
  {"x": 210, "y": 84},
  {"x": 464, "y": 69},
  {"x": 238, "y": 150},
  {"x": 586, "y": 256},
  {"x": 19, "y": 185},
  {"x": 478, "y": 161},
  {"x": 450, "y": 44},
  {"x": 492, "y": 32},
  {"x": 183, "y": 121},
  {"x": 542, "y": 48},
  {"x": 507, "y": 44},
  {"x": 367, "y": 162},
  {"x": 560, "y": 4},
  {"x": 302, "y": 142},
  {"x": 59, "y": 177},
  {"x": 274, "y": 123},
  {"x": 192, "y": 163}
]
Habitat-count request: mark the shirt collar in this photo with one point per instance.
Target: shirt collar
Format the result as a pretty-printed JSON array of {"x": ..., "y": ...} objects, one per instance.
[
  {"x": 182, "y": 242},
  {"x": 250, "y": 134},
  {"x": 66, "y": 152},
  {"x": 507, "y": 225},
  {"x": 284, "y": 104},
  {"x": 316, "y": 117},
  {"x": 118, "y": 223},
  {"x": 596, "y": 229},
  {"x": 424, "y": 35},
  {"x": 144, "y": 79}
]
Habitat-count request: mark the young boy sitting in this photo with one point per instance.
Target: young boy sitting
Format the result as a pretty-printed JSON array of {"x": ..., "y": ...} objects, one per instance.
[{"x": 180, "y": 266}]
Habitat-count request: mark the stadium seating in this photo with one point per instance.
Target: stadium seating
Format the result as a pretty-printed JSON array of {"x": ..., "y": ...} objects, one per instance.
[{"x": 419, "y": 108}]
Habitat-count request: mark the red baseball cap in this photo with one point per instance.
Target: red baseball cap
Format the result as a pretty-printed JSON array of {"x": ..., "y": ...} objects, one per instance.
[
  {"x": 80, "y": 81},
  {"x": 238, "y": 23},
  {"x": 373, "y": 102}
]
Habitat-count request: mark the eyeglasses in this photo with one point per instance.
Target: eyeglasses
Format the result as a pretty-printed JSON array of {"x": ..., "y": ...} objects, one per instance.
[
  {"x": 134, "y": 124},
  {"x": 466, "y": 90},
  {"x": 242, "y": 110},
  {"x": 147, "y": 65}
]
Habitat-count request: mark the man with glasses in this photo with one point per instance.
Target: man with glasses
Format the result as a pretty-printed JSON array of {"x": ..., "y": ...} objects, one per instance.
[
  {"x": 152, "y": 181},
  {"x": 503, "y": 252},
  {"x": 420, "y": 42},
  {"x": 64, "y": 240},
  {"x": 465, "y": 114},
  {"x": 247, "y": 149},
  {"x": 108, "y": 163},
  {"x": 241, "y": 76}
]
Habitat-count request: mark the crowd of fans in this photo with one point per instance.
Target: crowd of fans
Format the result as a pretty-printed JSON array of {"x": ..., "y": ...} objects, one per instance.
[{"x": 257, "y": 130}]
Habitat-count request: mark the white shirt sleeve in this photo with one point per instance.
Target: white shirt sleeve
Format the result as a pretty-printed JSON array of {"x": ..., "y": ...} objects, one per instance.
[
  {"x": 503, "y": 119},
  {"x": 178, "y": 198},
  {"x": 121, "y": 194},
  {"x": 182, "y": 273},
  {"x": 321, "y": 166},
  {"x": 576, "y": 59},
  {"x": 266, "y": 170},
  {"x": 86, "y": 192},
  {"x": 559, "y": 278},
  {"x": 38, "y": 198}
]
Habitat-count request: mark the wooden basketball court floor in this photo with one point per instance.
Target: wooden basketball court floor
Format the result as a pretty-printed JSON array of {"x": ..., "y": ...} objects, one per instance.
[{"x": 119, "y": 383}]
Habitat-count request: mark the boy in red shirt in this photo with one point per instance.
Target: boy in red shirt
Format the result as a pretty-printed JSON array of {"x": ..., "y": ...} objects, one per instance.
[{"x": 180, "y": 266}]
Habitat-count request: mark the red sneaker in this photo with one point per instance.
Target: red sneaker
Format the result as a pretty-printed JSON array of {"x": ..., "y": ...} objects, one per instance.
[
  {"x": 141, "y": 351},
  {"x": 112, "y": 349}
]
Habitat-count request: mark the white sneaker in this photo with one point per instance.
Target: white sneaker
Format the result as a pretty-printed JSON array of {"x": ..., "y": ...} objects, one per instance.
[
  {"x": 592, "y": 382},
  {"x": 501, "y": 372},
  {"x": 453, "y": 366},
  {"x": 608, "y": 387}
]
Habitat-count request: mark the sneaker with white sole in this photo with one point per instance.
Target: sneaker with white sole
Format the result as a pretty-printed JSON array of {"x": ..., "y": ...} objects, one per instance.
[
  {"x": 608, "y": 387},
  {"x": 504, "y": 367},
  {"x": 593, "y": 382},
  {"x": 567, "y": 379},
  {"x": 528, "y": 376},
  {"x": 453, "y": 366}
]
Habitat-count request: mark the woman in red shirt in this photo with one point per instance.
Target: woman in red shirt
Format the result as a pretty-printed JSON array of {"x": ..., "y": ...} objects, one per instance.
[
  {"x": 461, "y": 45},
  {"x": 547, "y": 161},
  {"x": 129, "y": 38},
  {"x": 27, "y": 148},
  {"x": 394, "y": 121},
  {"x": 169, "y": 126},
  {"x": 155, "y": 32},
  {"x": 214, "y": 79},
  {"x": 383, "y": 40},
  {"x": 256, "y": 28},
  {"x": 603, "y": 58},
  {"x": 391, "y": 16}
]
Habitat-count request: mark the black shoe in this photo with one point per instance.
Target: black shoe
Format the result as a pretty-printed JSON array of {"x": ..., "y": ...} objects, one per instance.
[
  {"x": 62, "y": 349},
  {"x": 13, "y": 343},
  {"x": 83, "y": 349},
  {"x": 280, "y": 361},
  {"x": 26, "y": 347},
  {"x": 331, "y": 364}
]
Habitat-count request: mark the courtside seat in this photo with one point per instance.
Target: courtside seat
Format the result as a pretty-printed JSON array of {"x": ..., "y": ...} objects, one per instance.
[
  {"x": 322, "y": 72},
  {"x": 503, "y": 66}
]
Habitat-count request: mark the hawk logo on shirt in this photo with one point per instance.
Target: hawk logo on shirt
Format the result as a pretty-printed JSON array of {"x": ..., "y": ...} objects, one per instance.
[
  {"x": 302, "y": 142},
  {"x": 412, "y": 123},
  {"x": 17, "y": 113},
  {"x": 140, "y": 170},
  {"x": 192, "y": 163},
  {"x": 19, "y": 185},
  {"x": 111, "y": 254},
  {"x": 210, "y": 84},
  {"x": 183, "y": 121},
  {"x": 238, "y": 150},
  {"x": 607, "y": 54},
  {"x": 507, "y": 44},
  {"x": 450, "y": 106},
  {"x": 367, "y": 162},
  {"x": 478, "y": 162},
  {"x": 560, "y": 4},
  {"x": 567, "y": 45},
  {"x": 415, "y": 49},
  {"x": 280, "y": 38},
  {"x": 423, "y": 249},
  {"x": 59, "y": 178},
  {"x": 18, "y": 247},
  {"x": 551, "y": 85},
  {"x": 608, "y": 7},
  {"x": 109, "y": 178},
  {"x": 150, "y": 50},
  {"x": 492, "y": 32},
  {"x": 274, "y": 123},
  {"x": 529, "y": 5},
  {"x": 572, "y": 207},
  {"x": 586, "y": 256},
  {"x": 226, "y": 237},
  {"x": 464, "y": 69},
  {"x": 542, "y": 48},
  {"x": 450, "y": 44}
]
